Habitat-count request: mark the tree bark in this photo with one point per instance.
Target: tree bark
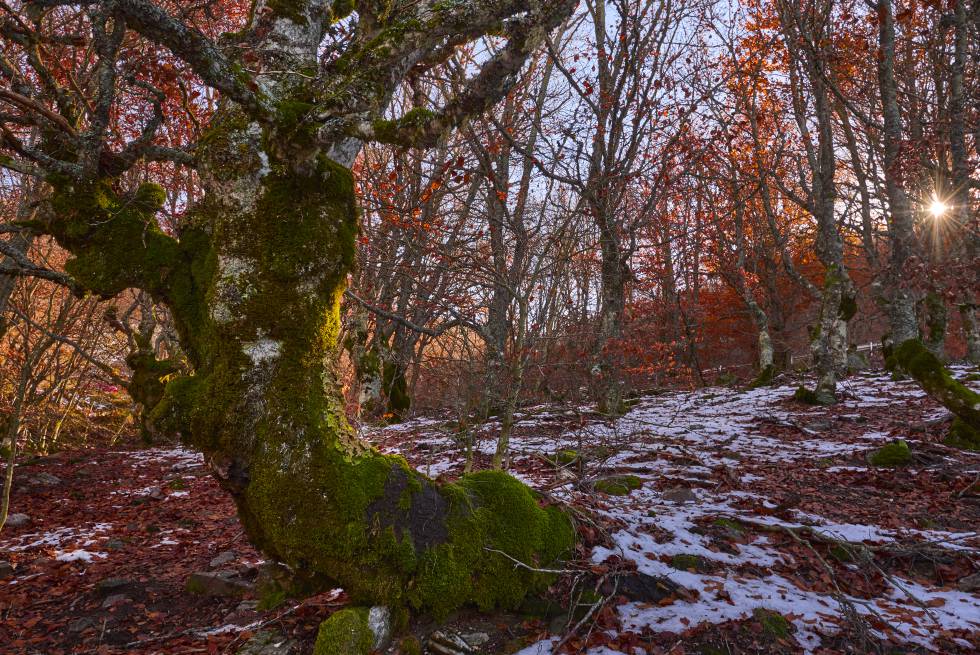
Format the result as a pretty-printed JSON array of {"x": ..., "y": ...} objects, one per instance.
[
  {"x": 256, "y": 301},
  {"x": 809, "y": 34},
  {"x": 900, "y": 301},
  {"x": 254, "y": 285},
  {"x": 966, "y": 218}
]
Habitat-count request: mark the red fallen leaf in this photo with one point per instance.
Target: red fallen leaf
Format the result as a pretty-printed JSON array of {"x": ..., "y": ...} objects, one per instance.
[{"x": 936, "y": 602}]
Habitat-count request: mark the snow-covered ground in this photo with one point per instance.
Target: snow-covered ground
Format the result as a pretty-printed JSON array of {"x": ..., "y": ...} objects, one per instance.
[
  {"x": 746, "y": 483},
  {"x": 687, "y": 438}
]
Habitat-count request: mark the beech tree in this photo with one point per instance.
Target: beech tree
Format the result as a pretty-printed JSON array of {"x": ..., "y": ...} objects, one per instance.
[{"x": 255, "y": 277}]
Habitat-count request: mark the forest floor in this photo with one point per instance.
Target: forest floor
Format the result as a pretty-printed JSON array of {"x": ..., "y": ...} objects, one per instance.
[{"x": 765, "y": 513}]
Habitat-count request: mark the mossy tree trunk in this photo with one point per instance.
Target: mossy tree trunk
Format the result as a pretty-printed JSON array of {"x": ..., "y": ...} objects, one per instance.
[
  {"x": 829, "y": 335},
  {"x": 256, "y": 298},
  {"x": 899, "y": 300},
  {"x": 916, "y": 360},
  {"x": 607, "y": 361},
  {"x": 254, "y": 284}
]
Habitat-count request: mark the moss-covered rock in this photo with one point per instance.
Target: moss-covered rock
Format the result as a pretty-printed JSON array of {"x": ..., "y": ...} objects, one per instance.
[
  {"x": 346, "y": 632},
  {"x": 687, "y": 562},
  {"x": 620, "y": 485},
  {"x": 774, "y": 624},
  {"x": 896, "y": 453},
  {"x": 733, "y": 528},
  {"x": 808, "y": 397}
]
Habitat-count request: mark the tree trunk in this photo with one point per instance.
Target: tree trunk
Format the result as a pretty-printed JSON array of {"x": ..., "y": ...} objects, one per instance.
[
  {"x": 255, "y": 292},
  {"x": 966, "y": 222},
  {"x": 900, "y": 302},
  {"x": 254, "y": 284},
  {"x": 916, "y": 360},
  {"x": 607, "y": 362}
]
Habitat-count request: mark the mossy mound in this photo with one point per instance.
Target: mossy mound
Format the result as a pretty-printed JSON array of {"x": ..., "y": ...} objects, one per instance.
[
  {"x": 734, "y": 528},
  {"x": 346, "y": 632},
  {"x": 773, "y": 623},
  {"x": 897, "y": 453},
  {"x": 804, "y": 395},
  {"x": 620, "y": 485},
  {"x": 764, "y": 378},
  {"x": 492, "y": 514},
  {"x": 686, "y": 562}
]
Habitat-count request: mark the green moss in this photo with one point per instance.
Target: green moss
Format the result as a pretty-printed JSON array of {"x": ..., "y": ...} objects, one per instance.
[
  {"x": 685, "y": 562},
  {"x": 915, "y": 359},
  {"x": 294, "y": 10},
  {"x": 566, "y": 457},
  {"x": 271, "y": 599},
  {"x": 293, "y": 124},
  {"x": 147, "y": 383},
  {"x": 346, "y": 632},
  {"x": 404, "y": 130},
  {"x": 620, "y": 485},
  {"x": 896, "y": 453},
  {"x": 491, "y": 513},
  {"x": 149, "y": 198},
  {"x": 962, "y": 436},
  {"x": 730, "y": 526},
  {"x": 115, "y": 240},
  {"x": 841, "y": 554},
  {"x": 804, "y": 395},
  {"x": 342, "y": 9},
  {"x": 116, "y": 244},
  {"x": 764, "y": 378},
  {"x": 194, "y": 586},
  {"x": 773, "y": 623}
]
